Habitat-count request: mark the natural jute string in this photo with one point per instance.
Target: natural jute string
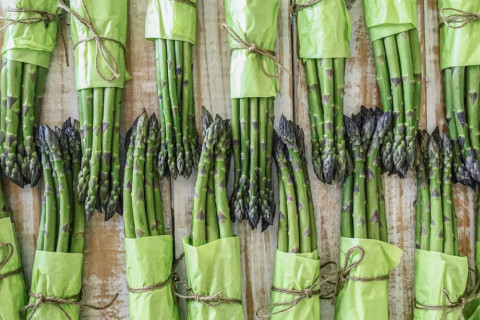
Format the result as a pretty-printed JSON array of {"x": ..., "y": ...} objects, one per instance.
[
  {"x": 9, "y": 248},
  {"x": 338, "y": 278},
  {"x": 100, "y": 49},
  {"x": 245, "y": 44},
  {"x": 459, "y": 18},
  {"x": 208, "y": 300},
  {"x": 59, "y": 302}
]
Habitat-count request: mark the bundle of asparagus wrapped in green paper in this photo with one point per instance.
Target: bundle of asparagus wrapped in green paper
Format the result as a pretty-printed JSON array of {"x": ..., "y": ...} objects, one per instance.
[
  {"x": 366, "y": 257},
  {"x": 57, "y": 269},
  {"x": 149, "y": 250},
  {"x": 252, "y": 30},
  {"x": 212, "y": 252},
  {"x": 30, "y": 37},
  {"x": 441, "y": 275},
  {"x": 396, "y": 48},
  {"x": 100, "y": 76},
  {"x": 172, "y": 25},
  {"x": 324, "y": 51},
  {"x": 12, "y": 284},
  {"x": 460, "y": 62},
  {"x": 297, "y": 266}
]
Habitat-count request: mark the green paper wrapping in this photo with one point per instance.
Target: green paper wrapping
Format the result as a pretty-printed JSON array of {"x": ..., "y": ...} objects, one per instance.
[
  {"x": 387, "y": 17},
  {"x": 258, "y": 21},
  {"x": 434, "y": 272},
  {"x": 295, "y": 271},
  {"x": 56, "y": 274},
  {"x": 109, "y": 18},
  {"x": 472, "y": 310},
  {"x": 31, "y": 43},
  {"x": 212, "y": 268},
  {"x": 315, "y": 33},
  {"x": 171, "y": 20},
  {"x": 460, "y": 47},
  {"x": 477, "y": 255},
  {"x": 366, "y": 300},
  {"x": 149, "y": 262},
  {"x": 12, "y": 289}
]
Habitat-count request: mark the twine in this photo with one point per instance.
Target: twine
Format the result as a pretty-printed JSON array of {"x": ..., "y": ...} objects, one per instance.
[
  {"x": 245, "y": 44},
  {"x": 6, "y": 259},
  {"x": 190, "y": 3},
  {"x": 451, "y": 307},
  {"x": 296, "y": 7},
  {"x": 338, "y": 278},
  {"x": 459, "y": 18},
  {"x": 100, "y": 49},
  {"x": 59, "y": 302},
  {"x": 213, "y": 300}
]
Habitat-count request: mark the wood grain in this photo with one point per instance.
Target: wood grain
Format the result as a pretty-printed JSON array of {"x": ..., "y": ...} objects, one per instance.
[{"x": 104, "y": 271}]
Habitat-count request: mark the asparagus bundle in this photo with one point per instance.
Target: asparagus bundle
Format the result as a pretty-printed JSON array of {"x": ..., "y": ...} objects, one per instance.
[
  {"x": 174, "y": 40},
  {"x": 324, "y": 52},
  {"x": 366, "y": 257},
  {"x": 12, "y": 284},
  {"x": 212, "y": 252},
  {"x": 396, "y": 48},
  {"x": 297, "y": 266},
  {"x": 460, "y": 65},
  {"x": 253, "y": 86},
  {"x": 30, "y": 37},
  {"x": 100, "y": 76},
  {"x": 436, "y": 231},
  {"x": 57, "y": 270},
  {"x": 149, "y": 251}
]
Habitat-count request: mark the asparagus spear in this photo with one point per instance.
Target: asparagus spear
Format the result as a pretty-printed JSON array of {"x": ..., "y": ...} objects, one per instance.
[
  {"x": 288, "y": 137},
  {"x": 424, "y": 192},
  {"x": 138, "y": 176},
  {"x": 237, "y": 164},
  {"x": 393, "y": 61},
  {"x": 346, "y": 228},
  {"x": 178, "y": 48},
  {"x": 269, "y": 187},
  {"x": 325, "y": 69},
  {"x": 447, "y": 203},
  {"x": 436, "y": 225},
  {"x": 417, "y": 76},
  {"x": 253, "y": 208},
  {"x": 290, "y": 194},
  {"x": 314, "y": 113},
  {"x": 91, "y": 200},
  {"x": 406, "y": 65},
  {"x": 158, "y": 205},
  {"x": 473, "y": 85},
  {"x": 107, "y": 143},
  {"x": 241, "y": 202},
  {"x": 162, "y": 154},
  {"x": 282, "y": 236},
  {"x": 14, "y": 79},
  {"x": 129, "y": 224},
  {"x": 339, "y": 80},
  {"x": 211, "y": 220},
  {"x": 149, "y": 173},
  {"x": 27, "y": 120},
  {"x": 3, "y": 110},
  {"x": 359, "y": 217},
  {"x": 84, "y": 177},
  {"x": 187, "y": 88}
]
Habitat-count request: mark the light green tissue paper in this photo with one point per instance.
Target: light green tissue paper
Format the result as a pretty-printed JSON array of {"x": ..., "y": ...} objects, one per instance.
[
  {"x": 149, "y": 262},
  {"x": 255, "y": 22},
  {"x": 58, "y": 275},
  {"x": 388, "y": 17},
  {"x": 459, "y": 47},
  {"x": 171, "y": 20},
  {"x": 212, "y": 268},
  {"x": 31, "y": 43},
  {"x": 12, "y": 288},
  {"x": 366, "y": 300},
  {"x": 324, "y": 30},
  {"x": 109, "y": 18},
  {"x": 295, "y": 271}
]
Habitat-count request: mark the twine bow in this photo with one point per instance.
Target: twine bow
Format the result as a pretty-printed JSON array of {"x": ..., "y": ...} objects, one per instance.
[
  {"x": 296, "y": 7},
  {"x": 100, "y": 48},
  {"x": 459, "y": 18},
  {"x": 337, "y": 278},
  {"x": 245, "y": 44},
  {"x": 452, "y": 306},
  {"x": 9, "y": 253},
  {"x": 41, "y": 299}
]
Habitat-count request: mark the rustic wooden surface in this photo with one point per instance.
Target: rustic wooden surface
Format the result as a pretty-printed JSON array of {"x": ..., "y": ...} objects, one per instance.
[{"x": 104, "y": 271}]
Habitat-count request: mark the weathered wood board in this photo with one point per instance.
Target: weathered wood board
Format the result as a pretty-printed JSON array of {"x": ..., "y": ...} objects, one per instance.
[{"x": 104, "y": 272}]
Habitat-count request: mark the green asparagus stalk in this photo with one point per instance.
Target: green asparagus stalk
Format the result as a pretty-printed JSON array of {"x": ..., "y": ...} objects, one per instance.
[
  {"x": 161, "y": 83},
  {"x": 447, "y": 203},
  {"x": 424, "y": 191},
  {"x": 237, "y": 164},
  {"x": 211, "y": 220},
  {"x": 325, "y": 70},
  {"x": 290, "y": 195},
  {"x": 178, "y": 45},
  {"x": 220, "y": 183},
  {"x": 339, "y": 82},
  {"x": 264, "y": 203},
  {"x": 152, "y": 131},
  {"x": 39, "y": 92},
  {"x": 107, "y": 143},
  {"x": 436, "y": 225},
  {"x": 253, "y": 204},
  {"x": 86, "y": 96},
  {"x": 67, "y": 166},
  {"x": 28, "y": 99},
  {"x": 282, "y": 236},
  {"x": 129, "y": 224},
  {"x": 346, "y": 214},
  {"x": 158, "y": 205},
  {"x": 288, "y": 137},
  {"x": 269, "y": 160},
  {"x": 241, "y": 202},
  {"x": 473, "y": 86},
  {"x": 417, "y": 76},
  {"x": 3, "y": 109},
  {"x": 187, "y": 88}
]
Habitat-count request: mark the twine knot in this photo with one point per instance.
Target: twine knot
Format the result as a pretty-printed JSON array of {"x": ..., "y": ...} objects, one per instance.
[
  {"x": 213, "y": 300},
  {"x": 9, "y": 254},
  {"x": 459, "y": 18},
  {"x": 245, "y": 44},
  {"x": 296, "y": 7},
  {"x": 100, "y": 48}
]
